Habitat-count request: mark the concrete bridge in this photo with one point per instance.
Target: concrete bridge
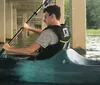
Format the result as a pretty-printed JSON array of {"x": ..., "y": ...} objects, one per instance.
[{"x": 13, "y": 13}]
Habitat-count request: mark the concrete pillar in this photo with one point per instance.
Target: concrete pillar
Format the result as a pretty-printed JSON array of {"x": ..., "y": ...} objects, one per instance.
[
  {"x": 15, "y": 25},
  {"x": 14, "y": 21},
  {"x": 24, "y": 19},
  {"x": 78, "y": 23},
  {"x": 9, "y": 20},
  {"x": 61, "y": 4},
  {"x": 2, "y": 21}
]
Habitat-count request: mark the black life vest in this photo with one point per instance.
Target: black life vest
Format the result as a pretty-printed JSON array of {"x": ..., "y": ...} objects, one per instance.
[{"x": 63, "y": 37}]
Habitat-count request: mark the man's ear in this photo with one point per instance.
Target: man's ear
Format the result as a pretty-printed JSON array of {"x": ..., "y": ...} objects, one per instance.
[{"x": 53, "y": 15}]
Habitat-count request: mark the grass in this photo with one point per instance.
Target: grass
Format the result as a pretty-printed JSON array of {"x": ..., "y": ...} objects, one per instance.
[{"x": 93, "y": 31}]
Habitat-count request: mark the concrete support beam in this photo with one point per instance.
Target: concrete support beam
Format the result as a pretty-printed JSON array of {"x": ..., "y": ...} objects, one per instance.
[
  {"x": 61, "y": 4},
  {"x": 9, "y": 20},
  {"x": 78, "y": 23},
  {"x": 2, "y": 21},
  {"x": 24, "y": 19},
  {"x": 15, "y": 25},
  {"x": 14, "y": 21}
]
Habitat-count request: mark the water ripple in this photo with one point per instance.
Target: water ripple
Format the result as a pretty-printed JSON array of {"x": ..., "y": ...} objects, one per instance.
[{"x": 93, "y": 46}]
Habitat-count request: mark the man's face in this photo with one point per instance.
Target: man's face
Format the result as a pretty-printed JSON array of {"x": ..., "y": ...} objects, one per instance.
[{"x": 47, "y": 18}]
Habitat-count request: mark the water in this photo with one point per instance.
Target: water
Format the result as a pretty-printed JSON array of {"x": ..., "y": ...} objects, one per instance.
[
  {"x": 93, "y": 46},
  {"x": 24, "y": 41}
]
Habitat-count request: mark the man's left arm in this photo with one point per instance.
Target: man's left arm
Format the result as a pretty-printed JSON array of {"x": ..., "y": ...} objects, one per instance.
[{"x": 27, "y": 50}]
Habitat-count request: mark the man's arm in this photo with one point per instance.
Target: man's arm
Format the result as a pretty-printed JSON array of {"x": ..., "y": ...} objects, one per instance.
[
  {"x": 27, "y": 27},
  {"x": 27, "y": 50}
]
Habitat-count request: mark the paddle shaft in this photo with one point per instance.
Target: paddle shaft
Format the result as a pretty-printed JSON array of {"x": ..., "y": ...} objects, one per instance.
[{"x": 20, "y": 30}]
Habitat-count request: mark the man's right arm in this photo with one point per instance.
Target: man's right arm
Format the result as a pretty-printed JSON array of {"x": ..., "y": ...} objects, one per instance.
[{"x": 27, "y": 27}]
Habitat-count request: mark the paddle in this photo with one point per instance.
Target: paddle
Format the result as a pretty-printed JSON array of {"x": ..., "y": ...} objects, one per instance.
[{"x": 35, "y": 13}]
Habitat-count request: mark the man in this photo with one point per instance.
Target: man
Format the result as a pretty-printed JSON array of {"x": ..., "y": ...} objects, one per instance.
[{"x": 51, "y": 40}]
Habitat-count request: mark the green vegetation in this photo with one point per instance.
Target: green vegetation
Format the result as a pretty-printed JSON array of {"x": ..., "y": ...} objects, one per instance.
[
  {"x": 93, "y": 31},
  {"x": 92, "y": 14},
  {"x": 67, "y": 12}
]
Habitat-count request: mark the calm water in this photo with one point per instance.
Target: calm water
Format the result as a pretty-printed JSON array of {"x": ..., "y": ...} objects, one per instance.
[{"x": 23, "y": 41}]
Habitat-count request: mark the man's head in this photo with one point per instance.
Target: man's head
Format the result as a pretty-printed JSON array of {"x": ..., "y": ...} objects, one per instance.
[{"x": 51, "y": 14}]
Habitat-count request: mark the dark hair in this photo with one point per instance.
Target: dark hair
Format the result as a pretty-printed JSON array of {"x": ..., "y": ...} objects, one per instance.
[{"x": 53, "y": 9}]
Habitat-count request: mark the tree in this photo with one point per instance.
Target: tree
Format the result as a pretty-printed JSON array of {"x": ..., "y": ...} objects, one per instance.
[
  {"x": 93, "y": 14},
  {"x": 67, "y": 11}
]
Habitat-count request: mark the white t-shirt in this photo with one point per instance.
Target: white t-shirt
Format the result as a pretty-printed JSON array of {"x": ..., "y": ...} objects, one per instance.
[{"x": 46, "y": 38}]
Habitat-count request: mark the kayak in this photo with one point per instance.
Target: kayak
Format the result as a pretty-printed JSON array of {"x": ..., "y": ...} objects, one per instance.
[{"x": 66, "y": 67}]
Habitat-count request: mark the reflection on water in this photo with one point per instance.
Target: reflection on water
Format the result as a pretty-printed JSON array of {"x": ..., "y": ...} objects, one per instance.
[
  {"x": 23, "y": 41},
  {"x": 93, "y": 46}
]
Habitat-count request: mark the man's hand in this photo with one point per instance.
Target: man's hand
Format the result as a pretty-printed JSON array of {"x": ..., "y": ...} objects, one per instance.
[
  {"x": 26, "y": 27},
  {"x": 6, "y": 46}
]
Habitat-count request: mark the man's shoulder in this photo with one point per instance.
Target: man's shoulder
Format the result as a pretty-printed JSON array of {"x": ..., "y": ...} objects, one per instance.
[{"x": 48, "y": 30}]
